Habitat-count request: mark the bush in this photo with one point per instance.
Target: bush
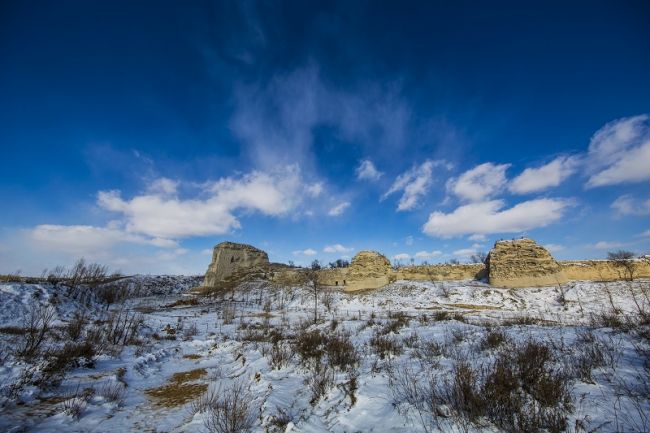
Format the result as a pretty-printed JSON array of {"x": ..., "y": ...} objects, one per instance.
[
  {"x": 231, "y": 410},
  {"x": 111, "y": 293},
  {"x": 310, "y": 345},
  {"x": 494, "y": 339},
  {"x": 280, "y": 355},
  {"x": 37, "y": 323},
  {"x": 520, "y": 391},
  {"x": 279, "y": 421},
  {"x": 72, "y": 355},
  {"x": 341, "y": 352},
  {"x": 113, "y": 392},
  {"x": 76, "y": 326},
  {"x": 320, "y": 380},
  {"x": 385, "y": 346},
  {"x": 465, "y": 395},
  {"x": 122, "y": 327},
  {"x": 75, "y": 403}
]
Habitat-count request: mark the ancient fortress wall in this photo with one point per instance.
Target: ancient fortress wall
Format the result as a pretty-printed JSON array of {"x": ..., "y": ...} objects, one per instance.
[
  {"x": 604, "y": 270},
  {"x": 510, "y": 264},
  {"x": 442, "y": 272}
]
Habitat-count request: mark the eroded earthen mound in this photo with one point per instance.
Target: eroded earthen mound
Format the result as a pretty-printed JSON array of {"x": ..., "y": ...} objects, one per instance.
[
  {"x": 232, "y": 261},
  {"x": 522, "y": 263},
  {"x": 368, "y": 270}
]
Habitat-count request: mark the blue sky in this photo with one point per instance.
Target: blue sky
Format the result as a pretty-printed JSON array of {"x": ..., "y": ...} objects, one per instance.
[{"x": 140, "y": 134}]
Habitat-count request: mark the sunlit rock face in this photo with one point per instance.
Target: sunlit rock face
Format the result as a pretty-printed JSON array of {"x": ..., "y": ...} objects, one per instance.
[
  {"x": 232, "y": 261},
  {"x": 368, "y": 270},
  {"x": 522, "y": 263}
]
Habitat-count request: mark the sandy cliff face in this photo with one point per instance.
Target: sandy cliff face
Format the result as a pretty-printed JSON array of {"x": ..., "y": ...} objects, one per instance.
[
  {"x": 522, "y": 263},
  {"x": 231, "y": 260}
]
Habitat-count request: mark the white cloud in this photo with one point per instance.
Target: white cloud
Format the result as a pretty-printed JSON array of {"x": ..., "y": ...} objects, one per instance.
[
  {"x": 163, "y": 185},
  {"x": 646, "y": 233},
  {"x": 554, "y": 248},
  {"x": 367, "y": 171},
  {"x": 468, "y": 252},
  {"x": 339, "y": 209},
  {"x": 401, "y": 257},
  {"x": 606, "y": 245},
  {"x": 206, "y": 252},
  {"x": 168, "y": 216},
  {"x": 409, "y": 240},
  {"x": 479, "y": 183},
  {"x": 85, "y": 239},
  {"x": 314, "y": 190},
  {"x": 425, "y": 255},
  {"x": 544, "y": 177},
  {"x": 490, "y": 217},
  {"x": 619, "y": 152},
  {"x": 337, "y": 248},
  {"x": 477, "y": 238},
  {"x": 307, "y": 252},
  {"x": 414, "y": 183},
  {"x": 627, "y": 205},
  {"x": 465, "y": 252}
]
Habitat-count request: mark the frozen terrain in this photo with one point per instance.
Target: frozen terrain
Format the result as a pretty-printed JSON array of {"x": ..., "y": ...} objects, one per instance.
[{"x": 411, "y": 357}]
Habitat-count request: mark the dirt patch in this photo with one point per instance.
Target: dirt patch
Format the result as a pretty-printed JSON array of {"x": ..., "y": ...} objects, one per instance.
[
  {"x": 54, "y": 399},
  {"x": 473, "y": 306},
  {"x": 13, "y": 330},
  {"x": 177, "y": 391},
  {"x": 145, "y": 309},
  {"x": 192, "y": 356}
]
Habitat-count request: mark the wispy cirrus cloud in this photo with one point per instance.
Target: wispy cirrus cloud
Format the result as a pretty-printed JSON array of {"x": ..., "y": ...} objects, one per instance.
[
  {"x": 619, "y": 152},
  {"x": 338, "y": 209},
  {"x": 414, "y": 184},
  {"x": 276, "y": 120},
  {"x": 628, "y": 205}
]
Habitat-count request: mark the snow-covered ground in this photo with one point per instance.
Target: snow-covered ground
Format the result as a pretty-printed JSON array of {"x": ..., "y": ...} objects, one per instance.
[{"x": 408, "y": 340}]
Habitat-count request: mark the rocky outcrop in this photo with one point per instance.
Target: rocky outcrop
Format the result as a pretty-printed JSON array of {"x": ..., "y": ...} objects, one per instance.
[
  {"x": 368, "y": 270},
  {"x": 232, "y": 262},
  {"x": 522, "y": 263}
]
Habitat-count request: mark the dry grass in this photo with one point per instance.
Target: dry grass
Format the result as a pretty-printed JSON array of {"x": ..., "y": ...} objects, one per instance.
[
  {"x": 188, "y": 376},
  {"x": 177, "y": 391},
  {"x": 183, "y": 303}
]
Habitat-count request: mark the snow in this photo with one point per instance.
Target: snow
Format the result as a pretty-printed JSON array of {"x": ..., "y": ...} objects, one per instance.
[{"x": 562, "y": 316}]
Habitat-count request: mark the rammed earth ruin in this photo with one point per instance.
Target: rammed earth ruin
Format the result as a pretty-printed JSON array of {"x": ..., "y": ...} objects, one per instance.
[{"x": 511, "y": 264}]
